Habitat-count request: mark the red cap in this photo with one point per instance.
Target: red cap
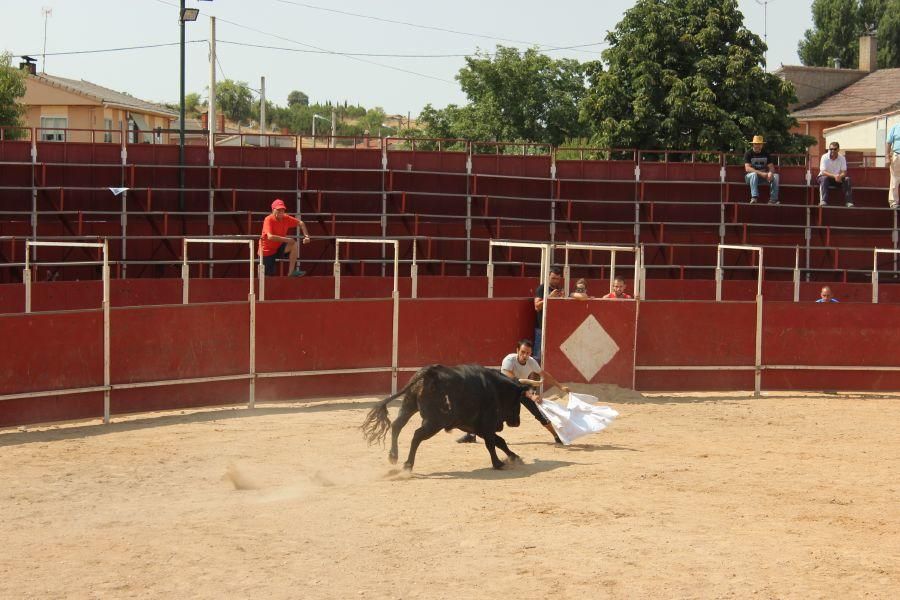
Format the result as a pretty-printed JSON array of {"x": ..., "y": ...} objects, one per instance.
[{"x": 278, "y": 204}]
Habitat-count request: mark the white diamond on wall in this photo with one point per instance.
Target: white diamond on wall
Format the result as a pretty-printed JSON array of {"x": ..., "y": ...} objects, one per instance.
[{"x": 589, "y": 348}]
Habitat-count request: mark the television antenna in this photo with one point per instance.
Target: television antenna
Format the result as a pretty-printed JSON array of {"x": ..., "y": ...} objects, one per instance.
[
  {"x": 765, "y": 5},
  {"x": 46, "y": 11}
]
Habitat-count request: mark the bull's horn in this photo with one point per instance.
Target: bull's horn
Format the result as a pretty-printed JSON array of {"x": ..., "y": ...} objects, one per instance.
[{"x": 530, "y": 382}]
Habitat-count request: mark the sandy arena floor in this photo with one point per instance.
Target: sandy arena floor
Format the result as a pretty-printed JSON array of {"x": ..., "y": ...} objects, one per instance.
[{"x": 683, "y": 497}]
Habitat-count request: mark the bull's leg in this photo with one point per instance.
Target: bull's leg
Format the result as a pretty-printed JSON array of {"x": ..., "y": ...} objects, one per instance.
[
  {"x": 424, "y": 432},
  {"x": 501, "y": 443},
  {"x": 490, "y": 442},
  {"x": 407, "y": 410}
]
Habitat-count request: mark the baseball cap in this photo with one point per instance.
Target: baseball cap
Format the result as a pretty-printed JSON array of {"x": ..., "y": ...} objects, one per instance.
[{"x": 279, "y": 203}]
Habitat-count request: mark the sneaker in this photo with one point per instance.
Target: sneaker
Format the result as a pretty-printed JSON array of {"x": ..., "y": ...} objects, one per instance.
[
  {"x": 849, "y": 205},
  {"x": 822, "y": 203},
  {"x": 753, "y": 200},
  {"x": 469, "y": 438},
  {"x": 774, "y": 201},
  {"x": 298, "y": 272},
  {"x": 894, "y": 205}
]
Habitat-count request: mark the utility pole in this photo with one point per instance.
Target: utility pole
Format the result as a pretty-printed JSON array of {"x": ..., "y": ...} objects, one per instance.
[
  {"x": 262, "y": 112},
  {"x": 333, "y": 125},
  {"x": 46, "y": 11}
]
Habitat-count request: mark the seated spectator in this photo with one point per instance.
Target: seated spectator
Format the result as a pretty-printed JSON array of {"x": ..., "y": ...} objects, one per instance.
[
  {"x": 759, "y": 168},
  {"x": 274, "y": 242},
  {"x": 580, "y": 292},
  {"x": 833, "y": 174},
  {"x": 826, "y": 295},
  {"x": 618, "y": 292}
]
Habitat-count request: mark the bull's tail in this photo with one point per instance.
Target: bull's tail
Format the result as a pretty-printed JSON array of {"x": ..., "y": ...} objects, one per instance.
[{"x": 377, "y": 422}]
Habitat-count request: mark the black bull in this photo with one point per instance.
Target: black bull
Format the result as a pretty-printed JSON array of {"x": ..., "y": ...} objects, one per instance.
[{"x": 468, "y": 397}]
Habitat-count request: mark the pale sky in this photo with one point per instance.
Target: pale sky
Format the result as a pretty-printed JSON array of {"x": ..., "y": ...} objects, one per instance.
[{"x": 295, "y": 27}]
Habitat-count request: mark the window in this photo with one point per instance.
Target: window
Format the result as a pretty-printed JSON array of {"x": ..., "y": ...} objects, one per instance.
[
  {"x": 107, "y": 135},
  {"x": 53, "y": 129}
]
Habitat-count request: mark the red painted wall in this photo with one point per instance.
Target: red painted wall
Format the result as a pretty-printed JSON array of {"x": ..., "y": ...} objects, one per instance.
[{"x": 56, "y": 350}]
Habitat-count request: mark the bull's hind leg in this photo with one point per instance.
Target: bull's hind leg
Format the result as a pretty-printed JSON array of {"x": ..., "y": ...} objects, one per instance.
[
  {"x": 424, "y": 432},
  {"x": 407, "y": 410}
]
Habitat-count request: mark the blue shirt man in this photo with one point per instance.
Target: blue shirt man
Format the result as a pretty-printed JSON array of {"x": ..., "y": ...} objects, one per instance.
[
  {"x": 826, "y": 295},
  {"x": 892, "y": 152}
]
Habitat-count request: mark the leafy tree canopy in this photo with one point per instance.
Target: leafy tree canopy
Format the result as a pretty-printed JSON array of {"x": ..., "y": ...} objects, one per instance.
[
  {"x": 297, "y": 97},
  {"x": 837, "y": 26},
  {"x": 235, "y": 100},
  {"x": 687, "y": 74},
  {"x": 12, "y": 87},
  {"x": 514, "y": 96}
]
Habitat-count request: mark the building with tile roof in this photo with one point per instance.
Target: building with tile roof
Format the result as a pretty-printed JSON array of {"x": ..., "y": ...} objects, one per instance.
[
  {"x": 854, "y": 103},
  {"x": 80, "y": 111}
]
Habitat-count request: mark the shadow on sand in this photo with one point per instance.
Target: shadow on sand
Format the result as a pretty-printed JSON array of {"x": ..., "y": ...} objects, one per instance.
[
  {"x": 510, "y": 472},
  {"x": 51, "y": 433}
]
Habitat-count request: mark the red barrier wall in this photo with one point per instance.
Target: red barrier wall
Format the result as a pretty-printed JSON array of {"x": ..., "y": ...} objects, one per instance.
[
  {"x": 51, "y": 351},
  {"x": 48, "y": 351},
  {"x": 603, "y": 333},
  {"x": 698, "y": 334},
  {"x": 77, "y": 295},
  {"x": 461, "y": 331},
  {"x": 834, "y": 335},
  {"x": 321, "y": 335}
]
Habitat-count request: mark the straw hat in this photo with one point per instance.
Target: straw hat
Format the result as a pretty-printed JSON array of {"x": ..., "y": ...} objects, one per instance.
[{"x": 757, "y": 139}]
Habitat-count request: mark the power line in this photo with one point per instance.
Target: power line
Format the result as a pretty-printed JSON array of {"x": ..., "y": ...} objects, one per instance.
[
  {"x": 325, "y": 50},
  {"x": 282, "y": 48},
  {"x": 420, "y": 26},
  {"x": 335, "y": 53},
  {"x": 384, "y": 55},
  {"x": 119, "y": 49}
]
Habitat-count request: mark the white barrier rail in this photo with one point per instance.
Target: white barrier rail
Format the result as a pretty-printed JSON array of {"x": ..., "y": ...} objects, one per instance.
[
  {"x": 26, "y": 276},
  {"x": 875, "y": 253}
]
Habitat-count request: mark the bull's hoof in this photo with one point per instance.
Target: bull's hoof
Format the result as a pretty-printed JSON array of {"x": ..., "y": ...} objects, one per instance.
[
  {"x": 514, "y": 459},
  {"x": 499, "y": 465},
  {"x": 392, "y": 458},
  {"x": 407, "y": 466}
]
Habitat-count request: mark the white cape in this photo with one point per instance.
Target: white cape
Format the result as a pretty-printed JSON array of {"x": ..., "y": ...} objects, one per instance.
[{"x": 578, "y": 418}]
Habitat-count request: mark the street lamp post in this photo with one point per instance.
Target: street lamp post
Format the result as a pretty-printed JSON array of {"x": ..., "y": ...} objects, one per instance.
[
  {"x": 314, "y": 117},
  {"x": 184, "y": 15}
]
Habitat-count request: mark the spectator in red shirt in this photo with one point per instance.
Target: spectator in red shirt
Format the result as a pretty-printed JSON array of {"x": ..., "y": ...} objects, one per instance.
[
  {"x": 274, "y": 243},
  {"x": 618, "y": 292}
]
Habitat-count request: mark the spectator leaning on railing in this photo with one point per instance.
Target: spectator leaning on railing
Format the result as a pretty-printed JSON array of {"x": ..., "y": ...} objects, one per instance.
[
  {"x": 833, "y": 173},
  {"x": 274, "y": 243}
]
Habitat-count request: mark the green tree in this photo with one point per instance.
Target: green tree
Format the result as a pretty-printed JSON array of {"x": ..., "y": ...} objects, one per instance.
[
  {"x": 687, "y": 74},
  {"x": 297, "y": 97},
  {"x": 12, "y": 87},
  {"x": 837, "y": 26},
  {"x": 235, "y": 100},
  {"x": 192, "y": 104},
  {"x": 514, "y": 95},
  {"x": 889, "y": 35}
]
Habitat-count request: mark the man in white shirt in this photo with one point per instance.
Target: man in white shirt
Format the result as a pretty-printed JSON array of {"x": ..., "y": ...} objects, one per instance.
[
  {"x": 833, "y": 173},
  {"x": 520, "y": 365}
]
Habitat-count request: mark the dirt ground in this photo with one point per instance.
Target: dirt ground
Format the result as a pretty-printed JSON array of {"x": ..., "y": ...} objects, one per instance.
[{"x": 682, "y": 497}]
